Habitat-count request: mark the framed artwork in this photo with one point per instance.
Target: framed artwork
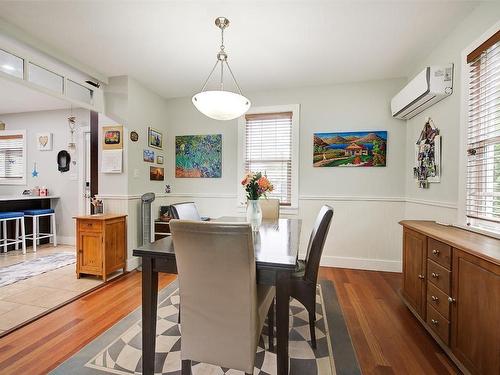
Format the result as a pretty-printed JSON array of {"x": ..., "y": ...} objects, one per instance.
[
  {"x": 156, "y": 173},
  {"x": 155, "y": 138},
  {"x": 44, "y": 141},
  {"x": 112, "y": 137},
  {"x": 159, "y": 159},
  {"x": 134, "y": 136},
  {"x": 148, "y": 156},
  {"x": 428, "y": 156},
  {"x": 350, "y": 149},
  {"x": 198, "y": 156}
]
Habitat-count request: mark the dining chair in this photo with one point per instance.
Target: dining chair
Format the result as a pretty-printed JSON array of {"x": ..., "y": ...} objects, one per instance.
[
  {"x": 304, "y": 279},
  {"x": 270, "y": 208},
  {"x": 185, "y": 211},
  {"x": 223, "y": 308}
]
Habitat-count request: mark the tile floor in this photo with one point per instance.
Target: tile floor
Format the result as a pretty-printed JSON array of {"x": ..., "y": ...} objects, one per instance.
[{"x": 28, "y": 298}]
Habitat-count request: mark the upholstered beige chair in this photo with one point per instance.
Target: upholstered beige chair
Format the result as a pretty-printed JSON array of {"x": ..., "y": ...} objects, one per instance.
[
  {"x": 223, "y": 308},
  {"x": 270, "y": 209}
]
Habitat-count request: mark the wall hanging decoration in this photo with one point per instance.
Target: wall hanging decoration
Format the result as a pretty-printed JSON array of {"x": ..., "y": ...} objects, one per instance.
[
  {"x": 44, "y": 141},
  {"x": 156, "y": 173},
  {"x": 34, "y": 172},
  {"x": 198, "y": 156},
  {"x": 350, "y": 149},
  {"x": 155, "y": 138},
  {"x": 63, "y": 161},
  {"x": 134, "y": 136},
  {"x": 72, "y": 129},
  {"x": 112, "y": 137},
  {"x": 221, "y": 104},
  {"x": 159, "y": 159},
  {"x": 148, "y": 156},
  {"x": 428, "y": 156},
  {"x": 168, "y": 189}
]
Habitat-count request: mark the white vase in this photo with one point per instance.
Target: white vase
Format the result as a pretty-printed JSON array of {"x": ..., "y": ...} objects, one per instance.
[{"x": 254, "y": 214}]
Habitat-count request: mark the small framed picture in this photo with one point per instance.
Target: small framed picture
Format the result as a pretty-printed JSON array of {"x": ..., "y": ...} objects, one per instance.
[
  {"x": 156, "y": 174},
  {"x": 44, "y": 141},
  {"x": 155, "y": 138},
  {"x": 159, "y": 159},
  {"x": 148, "y": 156},
  {"x": 112, "y": 137},
  {"x": 134, "y": 136}
]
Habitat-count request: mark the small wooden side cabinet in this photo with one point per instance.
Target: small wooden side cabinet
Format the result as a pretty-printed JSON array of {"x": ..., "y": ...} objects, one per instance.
[
  {"x": 101, "y": 244},
  {"x": 162, "y": 229},
  {"x": 451, "y": 283}
]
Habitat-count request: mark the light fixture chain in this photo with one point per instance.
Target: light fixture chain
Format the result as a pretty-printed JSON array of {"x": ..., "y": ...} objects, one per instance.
[
  {"x": 210, "y": 75},
  {"x": 234, "y": 79}
]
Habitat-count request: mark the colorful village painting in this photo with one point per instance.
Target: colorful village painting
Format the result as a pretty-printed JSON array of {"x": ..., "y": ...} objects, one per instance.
[{"x": 350, "y": 149}]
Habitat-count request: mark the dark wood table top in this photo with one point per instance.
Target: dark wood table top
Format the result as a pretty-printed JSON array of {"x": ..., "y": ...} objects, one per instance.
[{"x": 276, "y": 244}]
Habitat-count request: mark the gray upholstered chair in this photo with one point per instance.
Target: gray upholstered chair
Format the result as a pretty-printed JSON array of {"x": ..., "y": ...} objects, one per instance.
[
  {"x": 270, "y": 209},
  {"x": 223, "y": 308},
  {"x": 185, "y": 211}
]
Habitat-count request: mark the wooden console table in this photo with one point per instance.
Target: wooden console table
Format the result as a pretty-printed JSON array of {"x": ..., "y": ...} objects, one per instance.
[
  {"x": 101, "y": 244},
  {"x": 451, "y": 283}
]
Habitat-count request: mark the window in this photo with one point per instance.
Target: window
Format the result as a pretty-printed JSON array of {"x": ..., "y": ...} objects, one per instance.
[
  {"x": 12, "y": 157},
  {"x": 483, "y": 136},
  {"x": 270, "y": 146}
]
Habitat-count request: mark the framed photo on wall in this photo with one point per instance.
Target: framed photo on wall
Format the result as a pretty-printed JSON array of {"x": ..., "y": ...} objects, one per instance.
[
  {"x": 44, "y": 141},
  {"x": 112, "y": 137},
  {"x": 159, "y": 159},
  {"x": 155, "y": 138}
]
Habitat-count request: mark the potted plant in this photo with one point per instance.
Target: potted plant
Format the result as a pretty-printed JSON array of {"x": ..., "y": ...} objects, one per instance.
[{"x": 256, "y": 185}]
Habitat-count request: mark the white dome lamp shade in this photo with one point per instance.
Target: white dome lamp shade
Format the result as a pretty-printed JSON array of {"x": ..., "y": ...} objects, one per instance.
[{"x": 221, "y": 104}]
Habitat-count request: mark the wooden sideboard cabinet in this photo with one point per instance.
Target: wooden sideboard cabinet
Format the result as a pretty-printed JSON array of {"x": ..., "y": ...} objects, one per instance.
[
  {"x": 451, "y": 283},
  {"x": 101, "y": 244}
]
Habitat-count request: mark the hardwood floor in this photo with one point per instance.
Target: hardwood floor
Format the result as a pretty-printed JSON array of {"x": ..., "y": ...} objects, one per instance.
[{"x": 386, "y": 337}]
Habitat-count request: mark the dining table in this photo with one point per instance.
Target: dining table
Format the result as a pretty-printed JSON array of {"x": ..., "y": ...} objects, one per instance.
[{"x": 276, "y": 246}]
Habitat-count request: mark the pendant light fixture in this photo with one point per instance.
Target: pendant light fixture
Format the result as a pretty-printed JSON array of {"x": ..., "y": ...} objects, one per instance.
[{"x": 221, "y": 104}]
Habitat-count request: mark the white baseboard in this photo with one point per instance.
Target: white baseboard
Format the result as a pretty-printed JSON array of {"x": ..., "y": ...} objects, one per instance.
[
  {"x": 362, "y": 263},
  {"x": 133, "y": 263},
  {"x": 66, "y": 240}
]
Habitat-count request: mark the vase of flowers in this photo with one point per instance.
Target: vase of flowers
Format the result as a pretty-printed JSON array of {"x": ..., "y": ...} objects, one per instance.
[{"x": 256, "y": 185}]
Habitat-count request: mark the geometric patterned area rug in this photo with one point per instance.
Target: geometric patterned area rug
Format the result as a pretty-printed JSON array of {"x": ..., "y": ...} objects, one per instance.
[
  {"x": 24, "y": 270},
  {"x": 118, "y": 351}
]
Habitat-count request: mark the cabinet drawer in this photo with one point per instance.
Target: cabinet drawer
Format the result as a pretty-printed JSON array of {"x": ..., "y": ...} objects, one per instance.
[
  {"x": 89, "y": 225},
  {"x": 438, "y": 276},
  {"x": 439, "y": 252},
  {"x": 162, "y": 227},
  {"x": 438, "y": 324},
  {"x": 439, "y": 300}
]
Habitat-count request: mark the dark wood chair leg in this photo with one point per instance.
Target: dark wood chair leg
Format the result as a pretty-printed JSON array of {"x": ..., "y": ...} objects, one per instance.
[
  {"x": 186, "y": 367},
  {"x": 312, "y": 325},
  {"x": 270, "y": 326},
  {"x": 179, "y": 316}
]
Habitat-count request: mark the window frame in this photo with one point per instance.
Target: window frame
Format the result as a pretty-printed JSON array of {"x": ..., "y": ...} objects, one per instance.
[
  {"x": 462, "y": 220},
  {"x": 6, "y": 181},
  {"x": 295, "y": 109}
]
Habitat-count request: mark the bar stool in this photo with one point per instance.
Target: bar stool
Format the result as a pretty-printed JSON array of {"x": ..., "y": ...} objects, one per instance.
[
  {"x": 36, "y": 236},
  {"x": 19, "y": 219}
]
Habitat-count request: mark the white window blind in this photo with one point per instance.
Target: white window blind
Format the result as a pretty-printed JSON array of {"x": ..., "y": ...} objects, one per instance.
[
  {"x": 483, "y": 138},
  {"x": 268, "y": 149},
  {"x": 11, "y": 157}
]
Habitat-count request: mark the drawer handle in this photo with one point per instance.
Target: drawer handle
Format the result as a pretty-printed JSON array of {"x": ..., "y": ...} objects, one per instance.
[
  {"x": 434, "y": 321},
  {"x": 435, "y": 275},
  {"x": 434, "y": 298},
  {"x": 451, "y": 300},
  {"x": 435, "y": 252},
  {"x": 421, "y": 277}
]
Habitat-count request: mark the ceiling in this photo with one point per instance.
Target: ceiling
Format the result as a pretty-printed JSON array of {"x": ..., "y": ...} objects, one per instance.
[
  {"x": 170, "y": 46},
  {"x": 16, "y": 98}
]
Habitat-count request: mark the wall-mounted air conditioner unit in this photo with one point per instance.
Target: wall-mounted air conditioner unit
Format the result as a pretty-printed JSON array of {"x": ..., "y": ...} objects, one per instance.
[{"x": 430, "y": 86}]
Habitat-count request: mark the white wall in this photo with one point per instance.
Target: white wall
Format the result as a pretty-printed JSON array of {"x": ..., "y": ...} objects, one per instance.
[
  {"x": 64, "y": 185},
  {"x": 439, "y": 202},
  {"x": 368, "y": 202}
]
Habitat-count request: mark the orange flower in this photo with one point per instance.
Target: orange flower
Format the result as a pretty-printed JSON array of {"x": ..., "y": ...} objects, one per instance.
[{"x": 264, "y": 184}]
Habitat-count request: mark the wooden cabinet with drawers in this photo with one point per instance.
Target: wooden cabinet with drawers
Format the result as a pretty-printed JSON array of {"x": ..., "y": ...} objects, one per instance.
[
  {"x": 162, "y": 229},
  {"x": 101, "y": 244},
  {"x": 458, "y": 300}
]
